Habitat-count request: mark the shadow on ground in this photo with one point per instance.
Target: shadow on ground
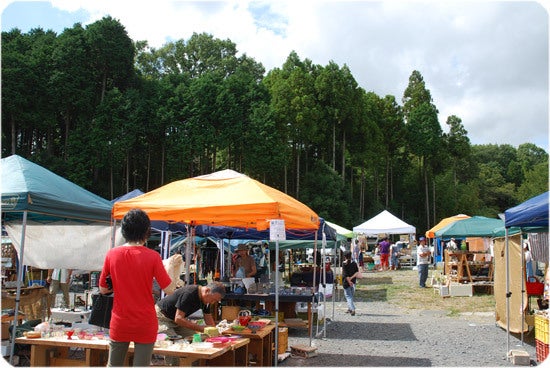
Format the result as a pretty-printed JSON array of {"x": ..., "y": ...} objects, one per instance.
[
  {"x": 337, "y": 360},
  {"x": 364, "y": 331}
]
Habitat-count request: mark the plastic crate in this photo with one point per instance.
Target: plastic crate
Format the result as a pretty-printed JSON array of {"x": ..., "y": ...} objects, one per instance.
[
  {"x": 541, "y": 328},
  {"x": 542, "y": 351},
  {"x": 534, "y": 288}
]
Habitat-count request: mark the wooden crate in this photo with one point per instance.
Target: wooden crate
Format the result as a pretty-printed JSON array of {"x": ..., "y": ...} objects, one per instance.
[
  {"x": 283, "y": 340},
  {"x": 303, "y": 351}
]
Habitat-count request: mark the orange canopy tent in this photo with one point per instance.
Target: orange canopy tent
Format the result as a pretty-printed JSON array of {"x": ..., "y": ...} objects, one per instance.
[
  {"x": 446, "y": 221},
  {"x": 223, "y": 198}
]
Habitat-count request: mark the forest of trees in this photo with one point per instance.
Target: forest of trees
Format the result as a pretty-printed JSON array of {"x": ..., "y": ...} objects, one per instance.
[{"x": 112, "y": 115}]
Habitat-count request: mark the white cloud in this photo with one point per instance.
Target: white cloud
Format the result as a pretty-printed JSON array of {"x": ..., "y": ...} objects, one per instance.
[{"x": 484, "y": 61}]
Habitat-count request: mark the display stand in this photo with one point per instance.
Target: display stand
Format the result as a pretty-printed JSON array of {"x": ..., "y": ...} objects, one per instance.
[{"x": 461, "y": 267}]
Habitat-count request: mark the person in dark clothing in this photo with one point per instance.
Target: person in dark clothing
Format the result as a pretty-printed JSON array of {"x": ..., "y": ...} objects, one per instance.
[
  {"x": 350, "y": 273},
  {"x": 174, "y": 310}
]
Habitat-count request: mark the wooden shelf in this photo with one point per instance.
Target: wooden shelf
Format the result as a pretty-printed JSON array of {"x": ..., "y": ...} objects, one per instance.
[{"x": 460, "y": 267}]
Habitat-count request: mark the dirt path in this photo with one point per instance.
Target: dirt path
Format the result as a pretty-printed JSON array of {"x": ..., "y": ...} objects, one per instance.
[{"x": 399, "y": 324}]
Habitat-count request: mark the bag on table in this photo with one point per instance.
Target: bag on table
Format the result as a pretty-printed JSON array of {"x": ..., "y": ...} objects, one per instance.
[{"x": 102, "y": 306}]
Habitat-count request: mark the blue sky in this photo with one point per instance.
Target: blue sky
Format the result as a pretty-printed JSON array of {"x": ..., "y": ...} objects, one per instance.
[{"x": 484, "y": 61}]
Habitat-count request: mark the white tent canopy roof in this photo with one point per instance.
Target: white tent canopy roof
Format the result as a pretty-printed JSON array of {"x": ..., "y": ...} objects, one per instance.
[{"x": 384, "y": 223}]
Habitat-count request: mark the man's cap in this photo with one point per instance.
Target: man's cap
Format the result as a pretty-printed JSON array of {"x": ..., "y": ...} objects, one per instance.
[
  {"x": 242, "y": 247},
  {"x": 421, "y": 238}
]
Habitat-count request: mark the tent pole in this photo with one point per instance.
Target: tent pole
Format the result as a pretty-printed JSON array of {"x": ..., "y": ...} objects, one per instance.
[
  {"x": 507, "y": 293},
  {"x": 334, "y": 283},
  {"x": 313, "y": 296},
  {"x": 18, "y": 292},
  {"x": 522, "y": 283},
  {"x": 276, "y": 300},
  {"x": 324, "y": 243}
]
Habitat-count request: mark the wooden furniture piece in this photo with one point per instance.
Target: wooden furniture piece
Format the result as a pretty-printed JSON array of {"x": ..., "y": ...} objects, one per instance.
[
  {"x": 55, "y": 352},
  {"x": 34, "y": 301},
  {"x": 261, "y": 345},
  {"x": 286, "y": 303},
  {"x": 461, "y": 266}
]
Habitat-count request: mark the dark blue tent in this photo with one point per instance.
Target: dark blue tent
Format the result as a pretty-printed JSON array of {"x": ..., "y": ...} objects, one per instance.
[{"x": 531, "y": 213}]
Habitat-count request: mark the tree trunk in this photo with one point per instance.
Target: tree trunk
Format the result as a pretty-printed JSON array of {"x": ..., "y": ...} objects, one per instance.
[
  {"x": 344, "y": 156},
  {"x": 163, "y": 153},
  {"x": 127, "y": 172},
  {"x": 334, "y": 146},
  {"x": 148, "y": 175},
  {"x": 298, "y": 173},
  {"x": 387, "y": 177},
  {"x": 426, "y": 194},
  {"x": 13, "y": 135}
]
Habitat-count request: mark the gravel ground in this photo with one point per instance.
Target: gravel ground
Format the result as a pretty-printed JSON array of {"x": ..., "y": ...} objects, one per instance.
[{"x": 381, "y": 334}]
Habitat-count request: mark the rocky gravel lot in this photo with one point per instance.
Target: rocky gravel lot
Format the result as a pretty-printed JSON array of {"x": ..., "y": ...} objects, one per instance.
[{"x": 388, "y": 333}]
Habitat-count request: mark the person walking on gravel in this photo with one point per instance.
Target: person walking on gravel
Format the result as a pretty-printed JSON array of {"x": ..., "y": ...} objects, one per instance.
[
  {"x": 423, "y": 261},
  {"x": 350, "y": 273}
]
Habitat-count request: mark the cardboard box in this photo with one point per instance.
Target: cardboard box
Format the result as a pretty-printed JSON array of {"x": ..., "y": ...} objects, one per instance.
[
  {"x": 520, "y": 357},
  {"x": 5, "y": 347},
  {"x": 5, "y": 331},
  {"x": 461, "y": 289}
]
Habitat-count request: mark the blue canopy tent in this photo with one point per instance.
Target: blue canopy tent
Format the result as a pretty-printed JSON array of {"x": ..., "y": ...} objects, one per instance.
[
  {"x": 529, "y": 216},
  {"x": 531, "y": 213},
  {"x": 51, "y": 221}
]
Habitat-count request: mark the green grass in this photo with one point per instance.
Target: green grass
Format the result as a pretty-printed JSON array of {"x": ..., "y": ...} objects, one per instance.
[{"x": 401, "y": 288}]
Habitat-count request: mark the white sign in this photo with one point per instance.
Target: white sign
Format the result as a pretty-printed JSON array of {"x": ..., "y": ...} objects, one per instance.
[{"x": 277, "y": 230}]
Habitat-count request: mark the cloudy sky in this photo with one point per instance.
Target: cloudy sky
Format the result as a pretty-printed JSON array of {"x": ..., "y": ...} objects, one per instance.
[{"x": 484, "y": 61}]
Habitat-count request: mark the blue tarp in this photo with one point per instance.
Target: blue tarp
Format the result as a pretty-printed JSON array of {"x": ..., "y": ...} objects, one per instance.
[{"x": 531, "y": 213}]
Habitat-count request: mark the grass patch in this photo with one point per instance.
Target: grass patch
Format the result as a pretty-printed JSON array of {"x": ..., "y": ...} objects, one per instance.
[{"x": 401, "y": 288}]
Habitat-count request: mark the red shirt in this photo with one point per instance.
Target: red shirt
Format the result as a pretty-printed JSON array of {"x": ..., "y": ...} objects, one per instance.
[{"x": 132, "y": 269}]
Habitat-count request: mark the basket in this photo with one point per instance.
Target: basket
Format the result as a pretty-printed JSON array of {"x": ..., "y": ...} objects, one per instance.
[
  {"x": 542, "y": 351},
  {"x": 283, "y": 340},
  {"x": 230, "y": 312},
  {"x": 541, "y": 328}
]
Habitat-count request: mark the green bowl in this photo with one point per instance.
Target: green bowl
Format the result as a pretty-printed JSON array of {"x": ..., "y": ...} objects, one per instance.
[{"x": 238, "y": 328}]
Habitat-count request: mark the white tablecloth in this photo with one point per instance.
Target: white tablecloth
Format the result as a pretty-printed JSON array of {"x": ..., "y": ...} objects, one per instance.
[{"x": 60, "y": 314}]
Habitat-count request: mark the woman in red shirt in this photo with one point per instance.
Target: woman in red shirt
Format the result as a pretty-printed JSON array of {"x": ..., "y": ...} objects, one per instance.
[{"x": 132, "y": 268}]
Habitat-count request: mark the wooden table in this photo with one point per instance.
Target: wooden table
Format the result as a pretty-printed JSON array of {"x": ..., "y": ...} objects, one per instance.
[
  {"x": 261, "y": 344},
  {"x": 269, "y": 299},
  {"x": 55, "y": 352}
]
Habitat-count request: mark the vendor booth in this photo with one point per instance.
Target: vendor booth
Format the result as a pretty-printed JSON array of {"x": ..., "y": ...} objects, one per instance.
[
  {"x": 224, "y": 198},
  {"x": 384, "y": 223},
  {"x": 42, "y": 210},
  {"x": 527, "y": 220}
]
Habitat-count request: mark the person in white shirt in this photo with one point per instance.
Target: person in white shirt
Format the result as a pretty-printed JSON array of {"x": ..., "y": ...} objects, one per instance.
[
  {"x": 451, "y": 244},
  {"x": 59, "y": 279}
]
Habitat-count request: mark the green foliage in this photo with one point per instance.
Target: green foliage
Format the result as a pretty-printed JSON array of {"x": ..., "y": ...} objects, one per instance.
[
  {"x": 112, "y": 115},
  {"x": 324, "y": 190}
]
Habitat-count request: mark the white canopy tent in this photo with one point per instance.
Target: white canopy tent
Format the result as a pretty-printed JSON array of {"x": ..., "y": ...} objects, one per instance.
[{"x": 384, "y": 223}]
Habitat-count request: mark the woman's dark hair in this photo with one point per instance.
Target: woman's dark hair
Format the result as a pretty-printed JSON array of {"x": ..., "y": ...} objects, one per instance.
[
  {"x": 135, "y": 225},
  {"x": 347, "y": 254}
]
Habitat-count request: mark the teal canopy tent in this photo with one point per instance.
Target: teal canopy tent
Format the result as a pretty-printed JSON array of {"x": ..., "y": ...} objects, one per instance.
[
  {"x": 476, "y": 226},
  {"x": 48, "y": 217}
]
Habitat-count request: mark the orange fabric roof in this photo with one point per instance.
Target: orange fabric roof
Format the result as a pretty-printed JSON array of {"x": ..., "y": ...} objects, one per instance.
[
  {"x": 446, "y": 221},
  {"x": 223, "y": 198}
]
